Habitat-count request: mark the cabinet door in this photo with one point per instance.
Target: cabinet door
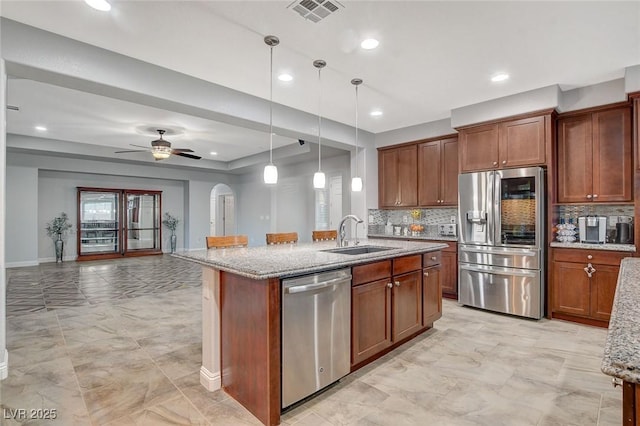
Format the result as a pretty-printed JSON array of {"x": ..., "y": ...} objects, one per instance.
[
  {"x": 575, "y": 160},
  {"x": 406, "y": 305},
  {"x": 603, "y": 289},
  {"x": 522, "y": 142},
  {"x": 571, "y": 289},
  {"x": 370, "y": 319},
  {"x": 478, "y": 148},
  {"x": 388, "y": 178},
  {"x": 431, "y": 295},
  {"x": 429, "y": 173},
  {"x": 408, "y": 176},
  {"x": 449, "y": 274},
  {"x": 612, "y": 155},
  {"x": 449, "y": 170}
]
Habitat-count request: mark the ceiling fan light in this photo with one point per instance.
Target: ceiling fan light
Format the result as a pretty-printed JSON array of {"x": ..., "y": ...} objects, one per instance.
[
  {"x": 161, "y": 152},
  {"x": 356, "y": 184},
  {"x": 319, "y": 180},
  {"x": 101, "y": 5},
  {"x": 270, "y": 174}
]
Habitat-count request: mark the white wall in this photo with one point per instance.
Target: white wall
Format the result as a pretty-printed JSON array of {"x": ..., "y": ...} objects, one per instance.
[
  {"x": 4, "y": 355},
  {"x": 21, "y": 215}
]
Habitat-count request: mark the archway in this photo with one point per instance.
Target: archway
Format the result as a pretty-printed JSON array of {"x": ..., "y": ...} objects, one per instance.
[{"x": 222, "y": 213}]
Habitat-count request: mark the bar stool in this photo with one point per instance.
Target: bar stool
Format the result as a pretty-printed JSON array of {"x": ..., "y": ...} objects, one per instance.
[
  {"x": 227, "y": 241},
  {"x": 282, "y": 238},
  {"x": 330, "y": 235}
]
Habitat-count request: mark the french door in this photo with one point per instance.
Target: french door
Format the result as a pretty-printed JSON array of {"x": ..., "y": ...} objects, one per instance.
[{"x": 118, "y": 222}]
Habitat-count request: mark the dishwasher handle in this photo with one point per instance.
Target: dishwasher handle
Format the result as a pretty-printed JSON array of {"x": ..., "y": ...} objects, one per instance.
[{"x": 315, "y": 286}]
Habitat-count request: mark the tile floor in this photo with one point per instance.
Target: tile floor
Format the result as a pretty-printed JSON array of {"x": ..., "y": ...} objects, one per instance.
[{"x": 118, "y": 343}]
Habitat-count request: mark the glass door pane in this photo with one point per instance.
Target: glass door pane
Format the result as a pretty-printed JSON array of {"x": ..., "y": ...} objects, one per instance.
[
  {"x": 518, "y": 210},
  {"x": 142, "y": 226},
  {"x": 99, "y": 213}
]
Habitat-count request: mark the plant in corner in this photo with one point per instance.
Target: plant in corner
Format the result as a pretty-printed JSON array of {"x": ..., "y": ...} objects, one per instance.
[
  {"x": 171, "y": 223},
  {"x": 55, "y": 229}
]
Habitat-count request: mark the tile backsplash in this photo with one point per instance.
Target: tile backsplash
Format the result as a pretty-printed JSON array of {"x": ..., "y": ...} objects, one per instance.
[
  {"x": 430, "y": 218},
  {"x": 610, "y": 211}
]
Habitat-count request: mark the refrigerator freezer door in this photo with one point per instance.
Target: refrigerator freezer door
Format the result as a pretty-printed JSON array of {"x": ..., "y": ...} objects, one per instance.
[{"x": 475, "y": 208}]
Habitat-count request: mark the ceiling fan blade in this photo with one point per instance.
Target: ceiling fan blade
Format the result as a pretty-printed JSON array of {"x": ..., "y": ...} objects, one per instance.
[
  {"x": 177, "y": 150},
  {"x": 181, "y": 154},
  {"x": 137, "y": 150},
  {"x": 139, "y": 146}
]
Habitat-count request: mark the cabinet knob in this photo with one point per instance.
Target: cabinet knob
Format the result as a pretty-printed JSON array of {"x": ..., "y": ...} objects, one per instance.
[
  {"x": 590, "y": 270},
  {"x": 504, "y": 162},
  {"x": 589, "y": 196},
  {"x": 595, "y": 195},
  {"x": 589, "y": 257},
  {"x": 389, "y": 285},
  {"x": 397, "y": 283},
  {"x": 434, "y": 258},
  {"x": 426, "y": 274},
  {"x": 495, "y": 163}
]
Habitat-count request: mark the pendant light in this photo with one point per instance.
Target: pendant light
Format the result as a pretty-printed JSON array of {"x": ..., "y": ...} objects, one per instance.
[
  {"x": 356, "y": 181},
  {"x": 319, "y": 179},
  {"x": 270, "y": 170}
]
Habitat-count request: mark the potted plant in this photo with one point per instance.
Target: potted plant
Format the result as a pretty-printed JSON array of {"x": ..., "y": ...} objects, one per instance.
[
  {"x": 58, "y": 226},
  {"x": 171, "y": 223}
]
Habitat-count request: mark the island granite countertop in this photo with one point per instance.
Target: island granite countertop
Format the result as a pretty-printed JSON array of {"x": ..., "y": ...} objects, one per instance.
[
  {"x": 622, "y": 347},
  {"x": 288, "y": 260}
]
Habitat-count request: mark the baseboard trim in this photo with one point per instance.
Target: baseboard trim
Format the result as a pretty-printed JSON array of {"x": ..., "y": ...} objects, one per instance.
[
  {"x": 4, "y": 366},
  {"x": 22, "y": 264},
  {"x": 210, "y": 381}
]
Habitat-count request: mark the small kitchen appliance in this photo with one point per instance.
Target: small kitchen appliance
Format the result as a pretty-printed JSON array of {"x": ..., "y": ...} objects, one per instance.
[
  {"x": 624, "y": 230},
  {"x": 593, "y": 229}
]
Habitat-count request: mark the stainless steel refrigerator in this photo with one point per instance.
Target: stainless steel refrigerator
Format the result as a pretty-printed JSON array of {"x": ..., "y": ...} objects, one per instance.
[{"x": 501, "y": 240}]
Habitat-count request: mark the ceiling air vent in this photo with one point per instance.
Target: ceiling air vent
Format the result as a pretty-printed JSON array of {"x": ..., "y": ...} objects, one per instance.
[{"x": 315, "y": 10}]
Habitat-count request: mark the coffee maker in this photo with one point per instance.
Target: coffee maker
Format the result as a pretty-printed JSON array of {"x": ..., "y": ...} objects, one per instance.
[{"x": 593, "y": 229}]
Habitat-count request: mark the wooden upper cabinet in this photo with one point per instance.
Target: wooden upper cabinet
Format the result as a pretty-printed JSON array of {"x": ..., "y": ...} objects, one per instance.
[
  {"x": 438, "y": 173},
  {"x": 636, "y": 126},
  {"x": 594, "y": 157},
  {"x": 478, "y": 148},
  {"x": 398, "y": 177},
  {"x": 510, "y": 143},
  {"x": 522, "y": 142}
]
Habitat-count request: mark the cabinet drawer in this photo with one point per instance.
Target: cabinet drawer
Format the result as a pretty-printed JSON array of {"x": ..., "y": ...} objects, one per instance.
[
  {"x": 402, "y": 265},
  {"x": 370, "y": 272},
  {"x": 431, "y": 259},
  {"x": 601, "y": 257}
]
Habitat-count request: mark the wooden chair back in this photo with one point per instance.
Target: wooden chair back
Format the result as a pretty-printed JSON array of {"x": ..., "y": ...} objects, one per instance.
[
  {"x": 227, "y": 241},
  {"x": 282, "y": 238},
  {"x": 324, "y": 235}
]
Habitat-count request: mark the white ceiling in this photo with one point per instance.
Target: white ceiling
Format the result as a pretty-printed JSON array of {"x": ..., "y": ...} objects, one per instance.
[{"x": 433, "y": 57}]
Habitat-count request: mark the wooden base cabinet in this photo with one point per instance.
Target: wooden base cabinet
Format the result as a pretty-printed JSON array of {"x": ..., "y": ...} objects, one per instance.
[
  {"x": 584, "y": 284},
  {"x": 391, "y": 302}
]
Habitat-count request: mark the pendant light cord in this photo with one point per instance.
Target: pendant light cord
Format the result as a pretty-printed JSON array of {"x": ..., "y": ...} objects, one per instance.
[
  {"x": 356, "y": 130},
  {"x": 271, "y": 108},
  {"x": 319, "y": 121}
]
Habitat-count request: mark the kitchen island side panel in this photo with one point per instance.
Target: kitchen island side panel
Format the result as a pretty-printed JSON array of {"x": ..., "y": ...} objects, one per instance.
[{"x": 250, "y": 337}]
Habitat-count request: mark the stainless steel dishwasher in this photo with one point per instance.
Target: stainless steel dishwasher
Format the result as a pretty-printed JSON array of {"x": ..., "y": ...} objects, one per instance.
[{"x": 316, "y": 332}]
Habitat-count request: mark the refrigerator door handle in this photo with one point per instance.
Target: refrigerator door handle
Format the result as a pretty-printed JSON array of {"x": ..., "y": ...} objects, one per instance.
[
  {"x": 507, "y": 252},
  {"x": 497, "y": 209},
  {"x": 490, "y": 210}
]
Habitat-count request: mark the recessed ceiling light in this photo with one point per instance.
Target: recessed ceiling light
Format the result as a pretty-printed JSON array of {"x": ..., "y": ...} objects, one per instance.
[
  {"x": 370, "y": 43},
  {"x": 102, "y": 5},
  {"x": 500, "y": 77},
  {"x": 376, "y": 113},
  {"x": 213, "y": 153},
  {"x": 41, "y": 128},
  {"x": 285, "y": 77}
]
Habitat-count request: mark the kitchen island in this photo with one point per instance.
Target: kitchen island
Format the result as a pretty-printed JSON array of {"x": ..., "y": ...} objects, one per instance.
[
  {"x": 622, "y": 348},
  {"x": 241, "y": 308}
]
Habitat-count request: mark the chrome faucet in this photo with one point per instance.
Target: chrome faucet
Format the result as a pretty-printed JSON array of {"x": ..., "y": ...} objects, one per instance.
[{"x": 342, "y": 232}]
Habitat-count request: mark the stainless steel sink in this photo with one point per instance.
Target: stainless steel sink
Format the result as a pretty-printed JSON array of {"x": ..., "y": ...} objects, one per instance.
[{"x": 358, "y": 250}]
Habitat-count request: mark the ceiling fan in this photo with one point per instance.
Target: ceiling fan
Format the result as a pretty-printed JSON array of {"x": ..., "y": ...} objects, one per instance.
[{"x": 161, "y": 149}]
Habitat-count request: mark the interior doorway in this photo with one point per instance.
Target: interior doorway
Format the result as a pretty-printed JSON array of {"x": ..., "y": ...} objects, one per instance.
[{"x": 222, "y": 212}]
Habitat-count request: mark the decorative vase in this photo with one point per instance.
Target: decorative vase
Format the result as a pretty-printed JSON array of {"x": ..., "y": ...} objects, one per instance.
[
  {"x": 173, "y": 242},
  {"x": 59, "y": 244}
]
